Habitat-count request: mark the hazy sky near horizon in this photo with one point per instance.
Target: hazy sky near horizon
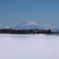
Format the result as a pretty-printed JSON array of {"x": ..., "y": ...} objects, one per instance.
[{"x": 14, "y": 12}]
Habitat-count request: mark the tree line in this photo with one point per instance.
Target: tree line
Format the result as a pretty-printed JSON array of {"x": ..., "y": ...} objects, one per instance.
[{"x": 24, "y": 31}]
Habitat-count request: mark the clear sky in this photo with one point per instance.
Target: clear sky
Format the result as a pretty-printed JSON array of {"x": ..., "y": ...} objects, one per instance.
[{"x": 14, "y": 12}]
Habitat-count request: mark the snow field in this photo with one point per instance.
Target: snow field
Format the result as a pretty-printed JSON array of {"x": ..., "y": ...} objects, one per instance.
[{"x": 34, "y": 46}]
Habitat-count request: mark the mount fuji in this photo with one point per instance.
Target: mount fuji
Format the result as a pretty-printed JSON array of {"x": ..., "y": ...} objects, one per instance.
[{"x": 27, "y": 25}]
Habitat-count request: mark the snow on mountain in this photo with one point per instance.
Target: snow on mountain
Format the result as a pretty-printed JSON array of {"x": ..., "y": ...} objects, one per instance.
[{"x": 28, "y": 25}]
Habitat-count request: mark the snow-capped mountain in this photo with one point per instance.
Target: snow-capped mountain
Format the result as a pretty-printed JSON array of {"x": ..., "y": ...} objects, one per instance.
[{"x": 27, "y": 25}]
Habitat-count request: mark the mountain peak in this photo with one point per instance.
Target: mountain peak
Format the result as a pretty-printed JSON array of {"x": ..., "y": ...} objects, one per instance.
[{"x": 28, "y": 23}]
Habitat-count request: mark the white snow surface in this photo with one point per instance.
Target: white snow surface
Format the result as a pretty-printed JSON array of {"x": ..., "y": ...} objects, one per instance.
[{"x": 32, "y": 46}]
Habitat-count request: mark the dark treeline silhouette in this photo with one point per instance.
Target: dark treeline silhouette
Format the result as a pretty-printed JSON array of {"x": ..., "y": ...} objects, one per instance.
[{"x": 29, "y": 31}]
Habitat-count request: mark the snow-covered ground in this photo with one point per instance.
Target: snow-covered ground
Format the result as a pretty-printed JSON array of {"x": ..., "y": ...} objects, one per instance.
[{"x": 32, "y": 46}]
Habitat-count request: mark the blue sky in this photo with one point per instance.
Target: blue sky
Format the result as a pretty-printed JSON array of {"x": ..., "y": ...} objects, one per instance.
[{"x": 14, "y": 12}]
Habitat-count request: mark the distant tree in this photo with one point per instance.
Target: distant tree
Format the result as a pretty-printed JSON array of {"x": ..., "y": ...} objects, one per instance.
[
  {"x": 42, "y": 31},
  {"x": 49, "y": 31},
  {"x": 36, "y": 30},
  {"x": 31, "y": 31},
  {"x": 24, "y": 31}
]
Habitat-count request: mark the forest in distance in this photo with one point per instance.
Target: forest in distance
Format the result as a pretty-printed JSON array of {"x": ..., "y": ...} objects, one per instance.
[{"x": 28, "y": 31}]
